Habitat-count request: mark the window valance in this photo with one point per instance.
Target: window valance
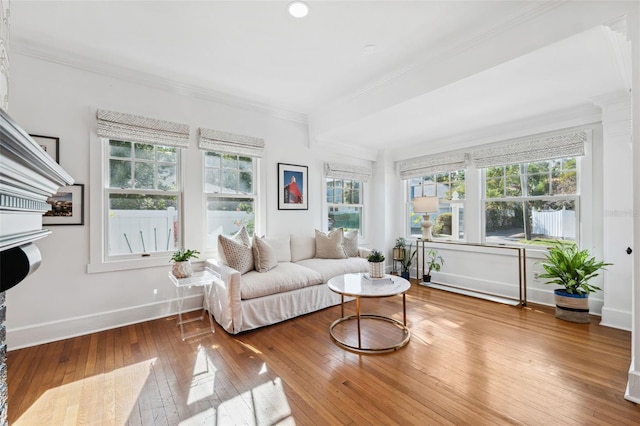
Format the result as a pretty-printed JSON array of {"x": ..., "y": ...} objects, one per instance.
[
  {"x": 530, "y": 150},
  {"x": 347, "y": 171},
  {"x": 229, "y": 143},
  {"x": 134, "y": 128},
  {"x": 429, "y": 164}
]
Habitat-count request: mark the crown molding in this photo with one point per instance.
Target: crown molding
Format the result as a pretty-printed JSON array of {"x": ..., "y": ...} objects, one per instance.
[{"x": 73, "y": 60}]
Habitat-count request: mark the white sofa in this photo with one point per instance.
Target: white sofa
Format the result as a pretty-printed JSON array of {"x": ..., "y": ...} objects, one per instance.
[{"x": 296, "y": 286}]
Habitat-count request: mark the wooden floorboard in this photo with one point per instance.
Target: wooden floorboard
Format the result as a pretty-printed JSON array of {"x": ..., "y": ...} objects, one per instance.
[{"x": 469, "y": 361}]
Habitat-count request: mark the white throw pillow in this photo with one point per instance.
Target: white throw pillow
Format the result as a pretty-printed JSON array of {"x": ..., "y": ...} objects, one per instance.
[
  {"x": 350, "y": 243},
  {"x": 282, "y": 246},
  {"x": 329, "y": 246},
  {"x": 238, "y": 254},
  {"x": 264, "y": 256}
]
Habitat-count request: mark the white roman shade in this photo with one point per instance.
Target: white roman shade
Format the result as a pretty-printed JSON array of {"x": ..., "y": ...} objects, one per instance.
[
  {"x": 529, "y": 150},
  {"x": 134, "y": 128},
  {"x": 429, "y": 164},
  {"x": 347, "y": 171},
  {"x": 229, "y": 143}
]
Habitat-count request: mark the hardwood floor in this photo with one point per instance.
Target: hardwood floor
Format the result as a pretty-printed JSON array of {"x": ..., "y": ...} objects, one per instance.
[{"x": 469, "y": 361}]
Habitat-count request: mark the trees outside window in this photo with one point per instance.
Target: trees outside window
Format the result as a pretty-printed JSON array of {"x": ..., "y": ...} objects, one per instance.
[
  {"x": 229, "y": 188},
  {"x": 450, "y": 189},
  {"x": 142, "y": 197},
  {"x": 532, "y": 202},
  {"x": 344, "y": 204}
]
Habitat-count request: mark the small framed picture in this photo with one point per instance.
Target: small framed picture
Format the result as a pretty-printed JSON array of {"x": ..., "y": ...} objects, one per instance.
[
  {"x": 50, "y": 145},
  {"x": 292, "y": 187},
  {"x": 67, "y": 206}
]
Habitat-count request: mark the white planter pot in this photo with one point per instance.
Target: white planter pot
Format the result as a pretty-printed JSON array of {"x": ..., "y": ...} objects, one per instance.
[
  {"x": 376, "y": 269},
  {"x": 182, "y": 269}
]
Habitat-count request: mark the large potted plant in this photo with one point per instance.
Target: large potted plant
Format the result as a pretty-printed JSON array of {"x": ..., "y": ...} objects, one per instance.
[
  {"x": 406, "y": 261},
  {"x": 571, "y": 268},
  {"x": 182, "y": 263},
  {"x": 433, "y": 262},
  {"x": 376, "y": 264}
]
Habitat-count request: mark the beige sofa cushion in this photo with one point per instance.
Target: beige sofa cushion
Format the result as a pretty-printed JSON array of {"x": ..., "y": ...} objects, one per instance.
[
  {"x": 264, "y": 256},
  {"x": 302, "y": 247},
  {"x": 287, "y": 276},
  {"x": 329, "y": 268},
  {"x": 329, "y": 246}
]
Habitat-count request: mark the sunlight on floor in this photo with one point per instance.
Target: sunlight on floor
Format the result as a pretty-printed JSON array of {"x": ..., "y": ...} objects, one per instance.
[
  {"x": 203, "y": 381},
  {"x": 110, "y": 397}
]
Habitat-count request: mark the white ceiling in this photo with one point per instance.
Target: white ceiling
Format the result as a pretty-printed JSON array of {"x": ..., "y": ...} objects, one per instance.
[{"x": 254, "y": 51}]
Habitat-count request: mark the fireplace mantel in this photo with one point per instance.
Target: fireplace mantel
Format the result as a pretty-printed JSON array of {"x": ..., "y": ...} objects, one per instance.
[{"x": 28, "y": 176}]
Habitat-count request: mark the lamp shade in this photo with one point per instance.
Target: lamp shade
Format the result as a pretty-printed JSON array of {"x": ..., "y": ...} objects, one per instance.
[{"x": 425, "y": 204}]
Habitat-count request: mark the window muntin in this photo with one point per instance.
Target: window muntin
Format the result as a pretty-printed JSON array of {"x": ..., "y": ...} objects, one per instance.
[
  {"x": 532, "y": 203},
  {"x": 344, "y": 204},
  {"x": 229, "y": 187},
  {"x": 142, "y": 197},
  {"x": 450, "y": 189}
]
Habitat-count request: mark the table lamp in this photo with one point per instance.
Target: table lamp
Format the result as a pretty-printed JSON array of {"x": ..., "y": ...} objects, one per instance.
[{"x": 426, "y": 205}]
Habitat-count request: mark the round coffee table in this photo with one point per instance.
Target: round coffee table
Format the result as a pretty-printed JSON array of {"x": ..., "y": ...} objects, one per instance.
[{"x": 359, "y": 286}]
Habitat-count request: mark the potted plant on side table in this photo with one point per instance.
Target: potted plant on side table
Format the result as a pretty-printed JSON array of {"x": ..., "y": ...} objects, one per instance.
[
  {"x": 433, "y": 262},
  {"x": 376, "y": 264},
  {"x": 406, "y": 261},
  {"x": 572, "y": 268},
  {"x": 182, "y": 263}
]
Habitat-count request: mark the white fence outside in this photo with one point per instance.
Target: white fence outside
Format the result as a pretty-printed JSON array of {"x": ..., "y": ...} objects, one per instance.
[
  {"x": 143, "y": 231},
  {"x": 555, "y": 223}
]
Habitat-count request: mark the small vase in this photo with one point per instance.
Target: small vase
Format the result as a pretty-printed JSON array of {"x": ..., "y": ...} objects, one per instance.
[
  {"x": 376, "y": 269},
  {"x": 182, "y": 269}
]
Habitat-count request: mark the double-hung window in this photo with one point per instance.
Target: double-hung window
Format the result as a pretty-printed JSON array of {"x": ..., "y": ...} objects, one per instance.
[
  {"x": 532, "y": 202},
  {"x": 230, "y": 194},
  {"x": 344, "y": 204},
  {"x": 530, "y": 189},
  {"x": 230, "y": 184},
  {"x": 143, "y": 196},
  {"x": 345, "y": 196},
  {"x": 142, "y": 186},
  {"x": 449, "y": 187}
]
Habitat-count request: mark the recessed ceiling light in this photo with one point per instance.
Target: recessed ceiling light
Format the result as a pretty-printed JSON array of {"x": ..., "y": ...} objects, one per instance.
[
  {"x": 298, "y": 9},
  {"x": 369, "y": 49}
]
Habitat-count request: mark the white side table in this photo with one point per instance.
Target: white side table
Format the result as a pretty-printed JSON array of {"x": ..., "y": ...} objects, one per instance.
[{"x": 204, "y": 279}]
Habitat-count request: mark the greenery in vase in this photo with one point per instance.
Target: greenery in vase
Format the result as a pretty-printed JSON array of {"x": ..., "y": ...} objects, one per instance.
[
  {"x": 375, "y": 256},
  {"x": 434, "y": 261},
  {"x": 571, "y": 268},
  {"x": 183, "y": 256},
  {"x": 400, "y": 243}
]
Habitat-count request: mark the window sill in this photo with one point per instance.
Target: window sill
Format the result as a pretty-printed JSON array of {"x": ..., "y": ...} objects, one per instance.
[{"x": 131, "y": 264}]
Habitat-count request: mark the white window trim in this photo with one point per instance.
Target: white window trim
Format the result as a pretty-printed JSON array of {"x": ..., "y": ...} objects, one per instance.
[
  {"x": 257, "y": 210},
  {"x": 362, "y": 239},
  {"x": 577, "y": 198},
  {"x": 98, "y": 214}
]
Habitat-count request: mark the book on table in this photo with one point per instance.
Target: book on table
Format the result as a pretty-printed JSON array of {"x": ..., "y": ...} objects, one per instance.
[{"x": 383, "y": 280}]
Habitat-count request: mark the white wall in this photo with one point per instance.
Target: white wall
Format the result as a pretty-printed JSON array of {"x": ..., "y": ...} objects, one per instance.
[{"x": 61, "y": 299}]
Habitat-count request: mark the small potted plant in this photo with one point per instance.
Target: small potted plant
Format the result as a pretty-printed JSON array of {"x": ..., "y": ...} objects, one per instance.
[
  {"x": 376, "y": 264},
  {"x": 406, "y": 261},
  {"x": 182, "y": 263},
  {"x": 399, "y": 248},
  {"x": 433, "y": 262},
  {"x": 571, "y": 268}
]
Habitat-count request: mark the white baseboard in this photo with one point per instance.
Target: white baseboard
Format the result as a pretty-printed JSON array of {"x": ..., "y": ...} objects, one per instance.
[
  {"x": 616, "y": 318},
  {"x": 632, "y": 393},
  {"x": 37, "y": 334}
]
